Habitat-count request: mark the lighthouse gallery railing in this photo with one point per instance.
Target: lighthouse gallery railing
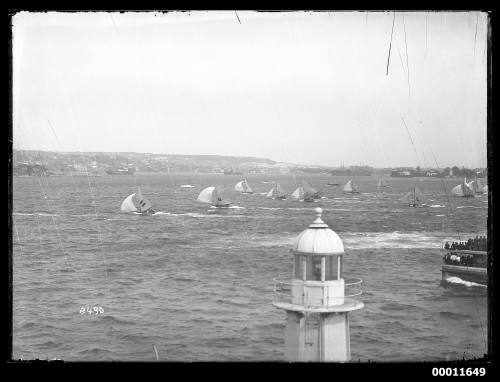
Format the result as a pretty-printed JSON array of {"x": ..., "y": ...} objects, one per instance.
[{"x": 316, "y": 295}]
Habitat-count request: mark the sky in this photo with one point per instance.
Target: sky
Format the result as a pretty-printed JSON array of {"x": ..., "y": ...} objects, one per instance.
[{"x": 313, "y": 88}]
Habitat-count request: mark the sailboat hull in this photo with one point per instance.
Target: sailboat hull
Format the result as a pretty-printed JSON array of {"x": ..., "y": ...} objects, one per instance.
[{"x": 224, "y": 205}]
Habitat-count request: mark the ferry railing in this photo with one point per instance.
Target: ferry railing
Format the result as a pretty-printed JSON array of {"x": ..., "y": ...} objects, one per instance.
[{"x": 316, "y": 295}]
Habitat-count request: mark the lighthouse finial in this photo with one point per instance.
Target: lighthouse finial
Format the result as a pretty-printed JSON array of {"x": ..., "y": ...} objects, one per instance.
[{"x": 318, "y": 211}]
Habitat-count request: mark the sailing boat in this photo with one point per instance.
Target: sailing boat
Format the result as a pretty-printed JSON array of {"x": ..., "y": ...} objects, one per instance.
[
  {"x": 414, "y": 197},
  {"x": 351, "y": 188},
  {"x": 464, "y": 190},
  {"x": 477, "y": 186},
  {"x": 211, "y": 195},
  {"x": 298, "y": 194},
  {"x": 243, "y": 187},
  {"x": 382, "y": 183},
  {"x": 310, "y": 194},
  {"x": 276, "y": 192},
  {"x": 140, "y": 204}
]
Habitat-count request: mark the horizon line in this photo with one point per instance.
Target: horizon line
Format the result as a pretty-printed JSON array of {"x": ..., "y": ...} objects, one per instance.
[{"x": 245, "y": 156}]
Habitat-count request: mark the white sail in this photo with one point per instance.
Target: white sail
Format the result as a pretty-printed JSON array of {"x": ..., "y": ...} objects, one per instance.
[
  {"x": 408, "y": 198},
  {"x": 206, "y": 195},
  {"x": 350, "y": 187},
  {"x": 144, "y": 204},
  {"x": 128, "y": 204},
  {"x": 467, "y": 189},
  {"x": 247, "y": 187},
  {"x": 457, "y": 190},
  {"x": 217, "y": 200},
  {"x": 298, "y": 193},
  {"x": 276, "y": 192},
  {"x": 464, "y": 189},
  {"x": 239, "y": 186},
  {"x": 280, "y": 193},
  {"x": 473, "y": 186},
  {"x": 308, "y": 190},
  {"x": 382, "y": 182},
  {"x": 243, "y": 187},
  {"x": 418, "y": 195}
]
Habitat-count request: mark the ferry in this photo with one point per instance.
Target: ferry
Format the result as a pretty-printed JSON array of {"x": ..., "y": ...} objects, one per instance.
[{"x": 466, "y": 264}]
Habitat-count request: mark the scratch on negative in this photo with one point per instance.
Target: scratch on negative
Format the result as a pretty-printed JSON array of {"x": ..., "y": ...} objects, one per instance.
[
  {"x": 390, "y": 44},
  {"x": 237, "y": 17}
]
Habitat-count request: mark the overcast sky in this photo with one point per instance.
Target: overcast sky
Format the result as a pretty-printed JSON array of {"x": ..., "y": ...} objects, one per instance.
[{"x": 297, "y": 87}]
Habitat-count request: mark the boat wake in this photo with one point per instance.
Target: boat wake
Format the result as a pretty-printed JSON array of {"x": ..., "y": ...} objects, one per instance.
[
  {"x": 458, "y": 280},
  {"x": 227, "y": 208}
]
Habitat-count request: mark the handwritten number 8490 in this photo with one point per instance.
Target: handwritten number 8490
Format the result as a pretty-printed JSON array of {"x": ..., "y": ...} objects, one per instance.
[{"x": 94, "y": 310}]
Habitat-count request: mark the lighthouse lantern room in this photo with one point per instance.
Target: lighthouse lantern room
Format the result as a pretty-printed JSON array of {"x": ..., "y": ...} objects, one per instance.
[{"x": 317, "y": 300}]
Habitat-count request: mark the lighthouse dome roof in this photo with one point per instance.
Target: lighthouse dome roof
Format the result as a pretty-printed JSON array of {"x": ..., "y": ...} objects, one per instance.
[{"x": 318, "y": 238}]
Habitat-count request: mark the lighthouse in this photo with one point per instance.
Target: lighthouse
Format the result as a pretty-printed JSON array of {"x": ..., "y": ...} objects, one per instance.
[{"x": 317, "y": 300}]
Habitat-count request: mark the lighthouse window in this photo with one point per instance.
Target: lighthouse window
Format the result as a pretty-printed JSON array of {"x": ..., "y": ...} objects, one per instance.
[
  {"x": 313, "y": 268},
  {"x": 331, "y": 265},
  {"x": 298, "y": 267}
]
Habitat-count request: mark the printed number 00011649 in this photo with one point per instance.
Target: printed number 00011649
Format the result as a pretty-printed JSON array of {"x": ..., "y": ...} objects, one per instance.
[{"x": 455, "y": 371}]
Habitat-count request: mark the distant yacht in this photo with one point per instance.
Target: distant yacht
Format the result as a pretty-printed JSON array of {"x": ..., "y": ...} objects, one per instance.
[
  {"x": 243, "y": 187},
  {"x": 276, "y": 192},
  {"x": 211, "y": 195},
  {"x": 382, "y": 183},
  {"x": 137, "y": 203},
  {"x": 305, "y": 193},
  {"x": 477, "y": 186},
  {"x": 351, "y": 188},
  {"x": 464, "y": 190},
  {"x": 414, "y": 197}
]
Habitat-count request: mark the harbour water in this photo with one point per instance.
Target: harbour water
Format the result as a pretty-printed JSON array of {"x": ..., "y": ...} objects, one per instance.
[{"x": 197, "y": 282}]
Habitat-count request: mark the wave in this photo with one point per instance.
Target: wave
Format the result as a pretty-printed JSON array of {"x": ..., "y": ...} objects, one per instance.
[
  {"x": 436, "y": 206},
  {"x": 186, "y": 186},
  {"x": 453, "y": 315},
  {"x": 270, "y": 208},
  {"x": 471, "y": 207},
  {"x": 33, "y": 214},
  {"x": 113, "y": 320},
  {"x": 458, "y": 280}
]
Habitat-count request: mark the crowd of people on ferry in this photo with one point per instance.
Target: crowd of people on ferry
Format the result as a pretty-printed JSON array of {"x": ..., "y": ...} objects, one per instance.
[
  {"x": 479, "y": 243},
  {"x": 465, "y": 260}
]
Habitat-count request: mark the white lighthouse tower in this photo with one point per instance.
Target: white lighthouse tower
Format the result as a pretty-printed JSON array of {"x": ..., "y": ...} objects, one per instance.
[{"x": 317, "y": 300}]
